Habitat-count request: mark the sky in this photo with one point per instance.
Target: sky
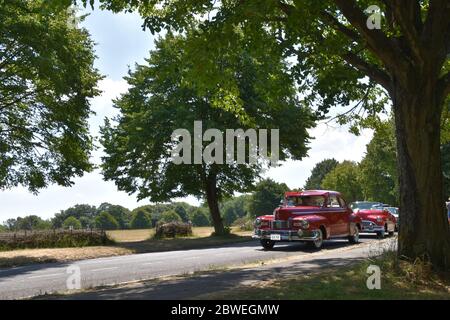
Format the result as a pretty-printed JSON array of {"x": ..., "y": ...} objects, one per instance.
[{"x": 120, "y": 43}]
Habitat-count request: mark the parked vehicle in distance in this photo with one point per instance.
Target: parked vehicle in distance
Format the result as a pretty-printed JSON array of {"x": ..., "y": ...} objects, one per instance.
[
  {"x": 395, "y": 212},
  {"x": 361, "y": 205},
  {"x": 309, "y": 216},
  {"x": 376, "y": 219}
]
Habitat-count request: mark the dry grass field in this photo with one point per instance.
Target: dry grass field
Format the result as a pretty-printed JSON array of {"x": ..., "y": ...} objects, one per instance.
[
  {"x": 127, "y": 242},
  {"x": 146, "y": 234}
]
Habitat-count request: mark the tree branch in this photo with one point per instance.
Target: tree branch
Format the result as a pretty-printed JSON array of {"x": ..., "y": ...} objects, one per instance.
[
  {"x": 435, "y": 31},
  {"x": 376, "y": 40},
  {"x": 407, "y": 15},
  {"x": 333, "y": 22},
  {"x": 372, "y": 71}
]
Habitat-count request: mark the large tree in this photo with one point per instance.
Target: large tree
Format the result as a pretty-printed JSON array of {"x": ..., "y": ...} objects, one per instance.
[
  {"x": 345, "y": 57},
  {"x": 163, "y": 97},
  {"x": 46, "y": 80}
]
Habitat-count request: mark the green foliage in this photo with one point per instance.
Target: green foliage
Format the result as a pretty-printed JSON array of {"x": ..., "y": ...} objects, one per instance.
[
  {"x": 344, "y": 179},
  {"x": 305, "y": 30},
  {"x": 181, "y": 211},
  {"x": 86, "y": 222},
  {"x": 320, "y": 170},
  {"x": 106, "y": 221},
  {"x": 445, "y": 153},
  {"x": 121, "y": 214},
  {"x": 245, "y": 223},
  {"x": 78, "y": 211},
  {"x": 266, "y": 197},
  {"x": 173, "y": 229},
  {"x": 72, "y": 222},
  {"x": 234, "y": 208},
  {"x": 169, "y": 216},
  {"x": 200, "y": 218},
  {"x": 141, "y": 220},
  {"x": 3, "y": 228},
  {"x": 47, "y": 77},
  {"x": 378, "y": 170},
  {"x": 31, "y": 222}
]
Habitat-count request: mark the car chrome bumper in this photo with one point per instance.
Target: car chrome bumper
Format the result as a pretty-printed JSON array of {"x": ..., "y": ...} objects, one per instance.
[
  {"x": 369, "y": 227},
  {"x": 287, "y": 235}
]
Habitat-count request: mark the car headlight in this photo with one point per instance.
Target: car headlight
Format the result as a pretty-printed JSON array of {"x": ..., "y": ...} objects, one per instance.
[
  {"x": 304, "y": 224},
  {"x": 257, "y": 222}
]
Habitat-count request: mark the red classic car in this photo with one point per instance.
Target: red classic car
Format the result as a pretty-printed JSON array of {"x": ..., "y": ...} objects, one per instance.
[
  {"x": 309, "y": 216},
  {"x": 377, "y": 220}
]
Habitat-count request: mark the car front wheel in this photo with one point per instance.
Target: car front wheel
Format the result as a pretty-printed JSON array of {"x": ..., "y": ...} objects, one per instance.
[
  {"x": 317, "y": 244},
  {"x": 267, "y": 244}
]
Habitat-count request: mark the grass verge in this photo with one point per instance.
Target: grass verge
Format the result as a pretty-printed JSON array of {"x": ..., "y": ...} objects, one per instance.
[{"x": 399, "y": 280}]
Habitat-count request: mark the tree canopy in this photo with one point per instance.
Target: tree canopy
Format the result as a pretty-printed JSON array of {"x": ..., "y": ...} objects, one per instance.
[
  {"x": 141, "y": 220},
  {"x": 106, "y": 221},
  {"x": 378, "y": 174},
  {"x": 318, "y": 173},
  {"x": 344, "y": 178},
  {"x": 266, "y": 197},
  {"x": 72, "y": 222},
  {"x": 46, "y": 80}
]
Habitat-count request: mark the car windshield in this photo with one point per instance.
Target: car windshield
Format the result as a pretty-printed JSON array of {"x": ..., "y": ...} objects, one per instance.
[
  {"x": 307, "y": 201},
  {"x": 364, "y": 205},
  {"x": 393, "y": 210}
]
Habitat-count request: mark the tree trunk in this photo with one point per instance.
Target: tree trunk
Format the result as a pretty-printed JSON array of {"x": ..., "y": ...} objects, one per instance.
[
  {"x": 213, "y": 204},
  {"x": 424, "y": 231}
]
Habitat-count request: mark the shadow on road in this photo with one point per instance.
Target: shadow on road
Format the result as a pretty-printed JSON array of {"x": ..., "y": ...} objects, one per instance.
[
  {"x": 23, "y": 270},
  {"x": 207, "y": 282}
]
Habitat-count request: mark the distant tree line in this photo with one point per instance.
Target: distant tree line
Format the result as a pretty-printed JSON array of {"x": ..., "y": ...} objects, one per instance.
[{"x": 245, "y": 207}]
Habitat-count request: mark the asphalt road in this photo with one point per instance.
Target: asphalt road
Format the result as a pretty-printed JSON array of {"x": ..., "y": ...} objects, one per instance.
[{"x": 33, "y": 280}]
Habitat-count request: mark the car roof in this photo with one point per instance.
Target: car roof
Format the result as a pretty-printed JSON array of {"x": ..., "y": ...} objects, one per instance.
[
  {"x": 367, "y": 202},
  {"x": 311, "y": 193}
]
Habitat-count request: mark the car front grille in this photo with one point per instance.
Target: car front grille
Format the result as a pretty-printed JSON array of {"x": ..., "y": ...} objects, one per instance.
[
  {"x": 279, "y": 224},
  {"x": 368, "y": 224}
]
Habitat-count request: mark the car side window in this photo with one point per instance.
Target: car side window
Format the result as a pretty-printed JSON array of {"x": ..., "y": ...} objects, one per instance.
[
  {"x": 342, "y": 202},
  {"x": 333, "y": 202}
]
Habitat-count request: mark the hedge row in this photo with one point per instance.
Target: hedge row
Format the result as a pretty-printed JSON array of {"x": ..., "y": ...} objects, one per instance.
[{"x": 50, "y": 239}]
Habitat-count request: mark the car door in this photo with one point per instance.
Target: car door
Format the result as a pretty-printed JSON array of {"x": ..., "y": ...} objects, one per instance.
[{"x": 339, "y": 216}]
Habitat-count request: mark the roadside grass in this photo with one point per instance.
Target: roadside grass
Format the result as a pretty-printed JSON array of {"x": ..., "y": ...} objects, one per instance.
[
  {"x": 22, "y": 257},
  {"x": 125, "y": 242},
  {"x": 399, "y": 280}
]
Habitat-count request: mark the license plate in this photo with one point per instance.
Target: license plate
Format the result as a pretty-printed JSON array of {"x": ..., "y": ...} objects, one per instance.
[{"x": 275, "y": 237}]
